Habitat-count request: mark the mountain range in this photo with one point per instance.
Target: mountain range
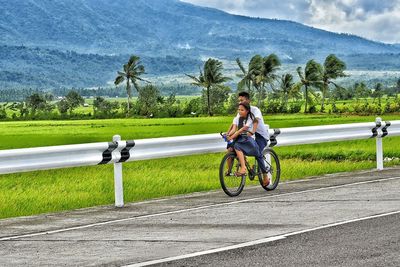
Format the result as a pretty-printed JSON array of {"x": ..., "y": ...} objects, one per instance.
[{"x": 82, "y": 43}]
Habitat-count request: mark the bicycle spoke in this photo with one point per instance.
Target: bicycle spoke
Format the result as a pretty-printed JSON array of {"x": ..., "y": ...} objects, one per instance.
[
  {"x": 272, "y": 165},
  {"x": 231, "y": 184}
]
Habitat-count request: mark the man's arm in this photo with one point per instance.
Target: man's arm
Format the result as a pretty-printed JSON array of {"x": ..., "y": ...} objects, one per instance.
[
  {"x": 257, "y": 114},
  {"x": 233, "y": 126},
  {"x": 255, "y": 124}
]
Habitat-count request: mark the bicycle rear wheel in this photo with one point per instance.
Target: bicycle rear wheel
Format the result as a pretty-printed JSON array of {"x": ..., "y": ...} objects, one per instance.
[
  {"x": 274, "y": 169},
  {"x": 231, "y": 184}
]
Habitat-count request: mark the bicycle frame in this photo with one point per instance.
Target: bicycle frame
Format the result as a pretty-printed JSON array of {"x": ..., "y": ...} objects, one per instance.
[
  {"x": 252, "y": 171},
  {"x": 230, "y": 161}
]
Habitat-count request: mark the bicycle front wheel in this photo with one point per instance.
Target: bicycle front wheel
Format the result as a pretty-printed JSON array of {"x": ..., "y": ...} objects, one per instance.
[
  {"x": 273, "y": 169},
  {"x": 230, "y": 183}
]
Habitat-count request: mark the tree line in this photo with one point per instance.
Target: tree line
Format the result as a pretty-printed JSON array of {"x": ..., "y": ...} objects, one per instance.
[
  {"x": 316, "y": 87},
  {"x": 317, "y": 83}
]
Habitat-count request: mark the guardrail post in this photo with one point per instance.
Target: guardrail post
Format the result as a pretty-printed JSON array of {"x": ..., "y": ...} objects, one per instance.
[
  {"x": 379, "y": 148},
  {"x": 118, "y": 187}
]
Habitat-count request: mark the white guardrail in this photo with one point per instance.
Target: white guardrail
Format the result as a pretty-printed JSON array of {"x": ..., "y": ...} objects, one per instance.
[{"x": 52, "y": 157}]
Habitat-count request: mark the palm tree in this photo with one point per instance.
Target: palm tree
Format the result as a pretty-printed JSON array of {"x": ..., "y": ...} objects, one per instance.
[
  {"x": 210, "y": 76},
  {"x": 253, "y": 76},
  {"x": 256, "y": 74},
  {"x": 378, "y": 92},
  {"x": 286, "y": 87},
  {"x": 361, "y": 90},
  {"x": 312, "y": 77},
  {"x": 271, "y": 64},
  {"x": 260, "y": 71},
  {"x": 333, "y": 69},
  {"x": 245, "y": 77},
  {"x": 131, "y": 73}
]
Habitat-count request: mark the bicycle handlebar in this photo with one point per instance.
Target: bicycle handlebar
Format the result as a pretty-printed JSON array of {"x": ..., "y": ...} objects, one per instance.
[{"x": 225, "y": 136}]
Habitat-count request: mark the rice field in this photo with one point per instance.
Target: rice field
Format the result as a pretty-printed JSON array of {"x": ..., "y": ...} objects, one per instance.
[{"x": 65, "y": 189}]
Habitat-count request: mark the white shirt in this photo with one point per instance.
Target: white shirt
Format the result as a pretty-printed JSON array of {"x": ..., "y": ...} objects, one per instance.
[
  {"x": 249, "y": 123},
  {"x": 262, "y": 128}
]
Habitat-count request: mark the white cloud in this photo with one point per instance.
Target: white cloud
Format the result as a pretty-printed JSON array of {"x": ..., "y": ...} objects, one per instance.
[
  {"x": 376, "y": 20},
  {"x": 368, "y": 19}
]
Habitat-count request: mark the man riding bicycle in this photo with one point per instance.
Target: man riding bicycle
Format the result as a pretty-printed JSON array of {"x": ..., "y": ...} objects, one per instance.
[{"x": 260, "y": 129}]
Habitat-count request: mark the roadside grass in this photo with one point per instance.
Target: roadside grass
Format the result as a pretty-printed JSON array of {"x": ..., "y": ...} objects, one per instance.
[
  {"x": 65, "y": 189},
  {"x": 38, "y": 192},
  {"x": 357, "y": 150}
]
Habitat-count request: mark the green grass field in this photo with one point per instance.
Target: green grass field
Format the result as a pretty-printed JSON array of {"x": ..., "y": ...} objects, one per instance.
[
  {"x": 64, "y": 189},
  {"x": 45, "y": 133}
]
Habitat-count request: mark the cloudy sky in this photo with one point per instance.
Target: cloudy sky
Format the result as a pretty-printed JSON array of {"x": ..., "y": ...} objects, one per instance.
[{"x": 373, "y": 19}]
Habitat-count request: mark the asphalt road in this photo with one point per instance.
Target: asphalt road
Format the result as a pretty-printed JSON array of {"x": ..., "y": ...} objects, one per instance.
[
  {"x": 343, "y": 219},
  {"x": 372, "y": 242}
]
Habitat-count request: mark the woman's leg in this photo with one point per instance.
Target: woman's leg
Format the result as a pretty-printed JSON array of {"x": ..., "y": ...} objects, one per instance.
[
  {"x": 230, "y": 162},
  {"x": 240, "y": 156}
]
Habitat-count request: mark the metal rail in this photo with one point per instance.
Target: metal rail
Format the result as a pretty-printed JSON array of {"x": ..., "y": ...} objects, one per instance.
[{"x": 44, "y": 158}]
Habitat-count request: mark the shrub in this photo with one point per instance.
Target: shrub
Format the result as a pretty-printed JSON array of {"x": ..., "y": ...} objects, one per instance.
[
  {"x": 312, "y": 109},
  {"x": 358, "y": 108},
  {"x": 103, "y": 108},
  {"x": 195, "y": 107},
  {"x": 295, "y": 107},
  {"x": 334, "y": 108},
  {"x": 273, "y": 107},
  {"x": 387, "y": 108},
  {"x": 3, "y": 114}
]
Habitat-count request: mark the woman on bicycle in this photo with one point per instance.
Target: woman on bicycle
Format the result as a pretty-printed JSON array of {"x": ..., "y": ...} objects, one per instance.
[{"x": 243, "y": 135}]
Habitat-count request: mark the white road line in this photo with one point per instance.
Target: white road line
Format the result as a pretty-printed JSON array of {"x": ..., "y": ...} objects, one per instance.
[
  {"x": 191, "y": 209},
  {"x": 211, "y": 251},
  {"x": 256, "y": 242}
]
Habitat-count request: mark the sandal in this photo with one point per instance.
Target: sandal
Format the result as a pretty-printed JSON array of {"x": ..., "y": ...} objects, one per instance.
[
  {"x": 238, "y": 174},
  {"x": 265, "y": 181}
]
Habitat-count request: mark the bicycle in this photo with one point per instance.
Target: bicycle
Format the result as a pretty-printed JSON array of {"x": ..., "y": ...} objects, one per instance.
[{"x": 233, "y": 185}]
